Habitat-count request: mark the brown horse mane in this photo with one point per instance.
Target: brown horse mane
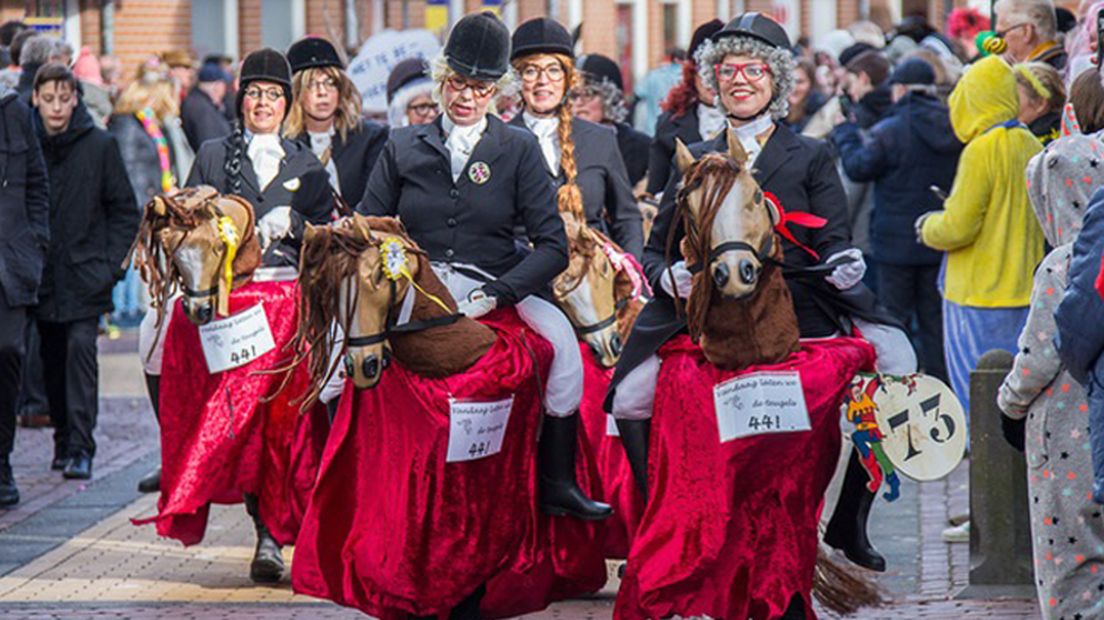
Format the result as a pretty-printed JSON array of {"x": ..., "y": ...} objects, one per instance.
[
  {"x": 185, "y": 209},
  {"x": 733, "y": 333},
  {"x": 328, "y": 260}
]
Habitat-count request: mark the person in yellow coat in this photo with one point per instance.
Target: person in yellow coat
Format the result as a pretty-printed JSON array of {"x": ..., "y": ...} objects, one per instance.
[{"x": 987, "y": 228}]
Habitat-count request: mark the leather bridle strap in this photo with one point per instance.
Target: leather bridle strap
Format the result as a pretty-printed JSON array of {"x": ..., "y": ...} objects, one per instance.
[{"x": 604, "y": 323}]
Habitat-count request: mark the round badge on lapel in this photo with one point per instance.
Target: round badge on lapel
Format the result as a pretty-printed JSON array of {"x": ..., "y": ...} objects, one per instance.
[{"x": 479, "y": 173}]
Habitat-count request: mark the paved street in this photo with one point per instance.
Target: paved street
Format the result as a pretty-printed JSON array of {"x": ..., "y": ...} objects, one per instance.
[{"x": 69, "y": 550}]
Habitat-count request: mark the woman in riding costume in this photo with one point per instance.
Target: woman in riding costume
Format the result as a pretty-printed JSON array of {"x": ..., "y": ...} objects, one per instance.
[
  {"x": 281, "y": 178},
  {"x": 325, "y": 116},
  {"x": 582, "y": 158},
  {"x": 285, "y": 184},
  {"x": 459, "y": 185},
  {"x": 748, "y": 63}
]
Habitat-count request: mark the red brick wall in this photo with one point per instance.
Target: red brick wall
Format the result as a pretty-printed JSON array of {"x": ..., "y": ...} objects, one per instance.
[
  {"x": 393, "y": 13},
  {"x": 327, "y": 18},
  {"x": 90, "y": 25},
  {"x": 249, "y": 26},
  {"x": 150, "y": 27},
  {"x": 599, "y": 31}
]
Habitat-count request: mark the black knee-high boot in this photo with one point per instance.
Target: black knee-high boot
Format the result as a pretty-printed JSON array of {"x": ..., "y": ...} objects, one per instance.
[
  {"x": 847, "y": 528},
  {"x": 268, "y": 564},
  {"x": 796, "y": 610},
  {"x": 151, "y": 483},
  {"x": 560, "y": 494},
  {"x": 634, "y": 437}
]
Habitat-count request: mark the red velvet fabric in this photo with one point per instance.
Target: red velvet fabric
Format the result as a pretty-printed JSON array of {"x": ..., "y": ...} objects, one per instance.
[
  {"x": 617, "y": 488},
  {"x": 730, "y": 530},
  {"x": 569, "y": 560},
  {"x": 219, "y": 441},
  {"x": 392, "y": 529}
]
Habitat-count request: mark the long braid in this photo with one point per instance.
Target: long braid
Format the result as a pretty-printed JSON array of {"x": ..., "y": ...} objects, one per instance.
[
  {"x": 569, "y": 199},
  {"x": 233, "y": 165}
]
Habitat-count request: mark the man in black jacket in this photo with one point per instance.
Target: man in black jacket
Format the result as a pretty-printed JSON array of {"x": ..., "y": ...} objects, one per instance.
[
  {"x": 201, "y": 113},
  {"x": 24, "y": 236},
  {"x": 93, "y": 220}
]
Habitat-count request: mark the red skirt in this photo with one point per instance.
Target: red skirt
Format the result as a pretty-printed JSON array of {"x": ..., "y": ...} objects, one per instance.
[
  {"x": 219, "y": 440},
  {"x": 730, "y": 529},
  {"x": 392, "y": 529}
]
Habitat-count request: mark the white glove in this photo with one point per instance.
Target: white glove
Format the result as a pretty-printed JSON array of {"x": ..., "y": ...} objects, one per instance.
[
  {"x": 275, "y": 225},
  {"x": 848, "y": 274},
  {"x": 477, "y": 304},
  {"x": 918, "y": 226},
  {"x": 681, "y": 283}
]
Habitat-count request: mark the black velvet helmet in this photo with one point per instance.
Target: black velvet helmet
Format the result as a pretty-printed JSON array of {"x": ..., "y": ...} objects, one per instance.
[
  {"x": 405, "y": 72},
  {"x": 313, "y": 52},
  {"x": 757, "y": 26},
  {"x": 479, "y": 47},
  {"x": 541, "y": 35},
  {"x": 601, "y": 67},
  {"x": 264, "y": 65},
  {"x": 702, "y": 34}
]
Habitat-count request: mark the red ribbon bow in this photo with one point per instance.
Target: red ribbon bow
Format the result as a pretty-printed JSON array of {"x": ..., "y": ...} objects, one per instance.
[{"x": 799, "y": 218}]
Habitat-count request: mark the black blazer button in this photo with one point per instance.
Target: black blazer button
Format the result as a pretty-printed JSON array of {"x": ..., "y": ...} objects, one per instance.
[
  {"x": 452, "y": 221},
  {"x": 449, "y": 253},
  {"x": 455, "y": 193}
]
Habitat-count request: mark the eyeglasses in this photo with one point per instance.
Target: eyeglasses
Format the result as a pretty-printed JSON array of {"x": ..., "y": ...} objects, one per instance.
[
  {"x": 328, "y": 85},
  {"x": 422, "y": 109},
  {"x": 1003, "y": 33},
  {"x": 582, "y": 93},
  {"x": 271, "y": 94},
  {"x": 532, "y": 73},
  {"x": 752, "y": 71},
  {"x": 479, "y": 88}
]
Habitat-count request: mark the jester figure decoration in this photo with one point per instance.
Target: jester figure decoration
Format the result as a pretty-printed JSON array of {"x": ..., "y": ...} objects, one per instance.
[{"x": 867, "y": 437}]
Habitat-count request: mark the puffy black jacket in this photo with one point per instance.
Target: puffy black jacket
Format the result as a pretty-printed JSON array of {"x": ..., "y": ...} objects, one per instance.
[
  {"x": 93, "y": 220},
  {"x": 24, "y": 204},
  {"x": 904, "y": 155}
]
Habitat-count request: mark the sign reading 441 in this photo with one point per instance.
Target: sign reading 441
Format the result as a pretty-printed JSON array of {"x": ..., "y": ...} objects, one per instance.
[{"x": 921, "y": 421}]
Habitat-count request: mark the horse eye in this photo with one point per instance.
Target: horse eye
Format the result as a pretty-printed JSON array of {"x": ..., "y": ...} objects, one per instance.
[{"x": 758, "y": 195}]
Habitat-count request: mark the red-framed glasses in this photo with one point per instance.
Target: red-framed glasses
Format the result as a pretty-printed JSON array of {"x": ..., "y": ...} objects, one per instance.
[{"x": 752, "y": 71}]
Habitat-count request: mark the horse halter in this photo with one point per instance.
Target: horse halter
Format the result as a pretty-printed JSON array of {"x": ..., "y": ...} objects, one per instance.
[{"x": 231, "y": 238}]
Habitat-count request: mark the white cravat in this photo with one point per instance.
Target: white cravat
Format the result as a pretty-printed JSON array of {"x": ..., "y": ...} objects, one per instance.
[
  {"x": 461, "y": 142},
  {"x": 320, "y": 143},
  {"x": 266, "y": 153},
  {"x": 547, "y": 132},
  {"x": 710, "y": 121},
  {"x": 748, "y": 135}
]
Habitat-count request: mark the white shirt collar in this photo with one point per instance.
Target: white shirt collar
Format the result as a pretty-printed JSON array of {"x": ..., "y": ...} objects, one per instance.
[{"x": 466, "y": 132}]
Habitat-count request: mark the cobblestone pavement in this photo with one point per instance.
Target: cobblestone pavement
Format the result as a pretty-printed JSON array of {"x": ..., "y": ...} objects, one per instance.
[{"x": 69, "y": 550}]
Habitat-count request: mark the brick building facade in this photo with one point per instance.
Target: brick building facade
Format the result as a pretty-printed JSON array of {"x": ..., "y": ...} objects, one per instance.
[{"x": 636, "y": 32}]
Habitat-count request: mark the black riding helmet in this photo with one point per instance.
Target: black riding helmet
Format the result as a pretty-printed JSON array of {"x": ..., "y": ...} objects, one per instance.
[
  {"x": 758, "y": 26},
  {"x": 313, "y": 52},
  {"x": 478, "y": 47},
  {"x": 759, "y": 36},
  {"x": 264, "y": 65},
  {"x": 541, "y": 35}
]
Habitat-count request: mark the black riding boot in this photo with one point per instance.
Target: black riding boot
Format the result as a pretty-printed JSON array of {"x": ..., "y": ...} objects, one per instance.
[
  {"x": 268, "y": 563},
  {"x": 9, "y": 493},
  {"x": 796, "y": 610},
  {"x": 847, "y": 529},
  {"x": 634, "y": 437},
  {"x": 560, "y": 494},
  {"x": 468, "y": 609},
  {"x": 151, "y": 483}
]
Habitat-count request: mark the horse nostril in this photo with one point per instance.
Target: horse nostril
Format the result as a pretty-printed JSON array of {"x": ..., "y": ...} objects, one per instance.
[
  {"x": 203, "y": 314},
  {"x": 371, "y": 366},
  {"x": 350, "y": 367},
  {"x": 720, "y": 274},
  {"x": 386, "y": 358},
  {"x": 747, "y": 272},
  {"x": 615, "y": 344}
]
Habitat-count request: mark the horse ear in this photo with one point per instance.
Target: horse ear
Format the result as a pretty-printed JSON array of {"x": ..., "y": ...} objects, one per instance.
[
  {"x": 735, "y": 149},
  {"x": 157, "y": 205},
  {"x": 360, "y": 224},
  {"x": 683, "y": 157},
  {"x": 309, "y": 232}
]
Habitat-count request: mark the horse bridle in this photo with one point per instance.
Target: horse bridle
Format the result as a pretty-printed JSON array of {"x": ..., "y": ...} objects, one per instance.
[
  {"x": 212, "y": 291},
  {"x": 390, "y": 328},
  {"x": 591, "y": 328}
]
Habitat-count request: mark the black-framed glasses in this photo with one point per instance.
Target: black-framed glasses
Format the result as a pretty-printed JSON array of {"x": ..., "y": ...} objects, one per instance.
[
  {"x": 532, "y": 73},
  {"x": 479, "y": 88},
  {"x": 271, "y": 94},
  {"x": 1003, "y": 33}
]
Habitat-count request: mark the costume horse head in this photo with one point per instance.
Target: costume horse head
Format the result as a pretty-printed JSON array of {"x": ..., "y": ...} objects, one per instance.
[
  {"x": 367, "y": 277},
  {"x": 200, "y": 242},
  {"x": 740, "y": 309},
  {"x": 601, "y": 291}
]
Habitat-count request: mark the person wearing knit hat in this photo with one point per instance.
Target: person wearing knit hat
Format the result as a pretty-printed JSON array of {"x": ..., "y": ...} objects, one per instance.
[
  {"x": 689, "y": 113},
  {"x": 582, "y": 158},
  {"x": 410, "y": 94},
  {"x": 750, "y": 66},
  {"x": 601, "y": 99},
  {"x": 202, "y": 112},
  {"x": 325, "y": 116},
  {"x": 182, "y": 70}
]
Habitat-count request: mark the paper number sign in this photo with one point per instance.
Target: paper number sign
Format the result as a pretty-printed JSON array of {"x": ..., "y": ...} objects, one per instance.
[
  {"x": 236, "y": 340},
  {"x": 758, "y": 403},
  {"x": 476, "y": 429}
]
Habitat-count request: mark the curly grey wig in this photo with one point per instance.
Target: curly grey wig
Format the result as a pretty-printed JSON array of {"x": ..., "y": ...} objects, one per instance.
[
  {"x": 613, "y": 100},
  {"x": 780, "y": 61}
]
